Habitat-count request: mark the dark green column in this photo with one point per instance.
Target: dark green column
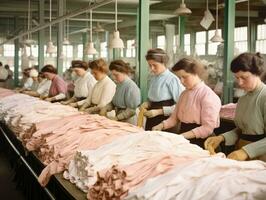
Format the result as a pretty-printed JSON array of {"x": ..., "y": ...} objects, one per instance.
[
  {"x": 16, "y": 57},
  {"x": 229, "y": 27},
  {"x": 143, "y": 45},
  {"x": 60, "y": 33},
  {"x": 41, "y": 36},
  {"x": 181, "y": 32}
]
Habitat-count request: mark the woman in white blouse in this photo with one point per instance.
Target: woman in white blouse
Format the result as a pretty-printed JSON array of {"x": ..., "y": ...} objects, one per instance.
[
  {"x": 83, "y": 84},
  {"x": 102, "y": 92}
]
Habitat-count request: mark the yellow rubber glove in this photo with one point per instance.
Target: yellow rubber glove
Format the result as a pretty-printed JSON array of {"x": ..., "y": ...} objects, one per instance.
[
  {"x": 153, "y": 113},
  {"x": 145, "y": 105},
  {"x": 74, "y": 105},
  {"x": 49, "y": 99},
  {"x": 140, "y": 117},
  {"x": 158, "y": 127},
  {"x": 188, "y": 135},
  {"x": 64, "y": 102},
  {"x": 113, "y": 118},
  {"x": 212, "y": 143},
  {"x": 92, "y": 110},
  {"x": 240, "y": 155}
]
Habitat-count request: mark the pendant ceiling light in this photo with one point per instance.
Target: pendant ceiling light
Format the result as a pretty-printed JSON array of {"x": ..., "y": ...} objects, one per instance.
[
  {"x": 217, "y": 37},
  {"x": 116, "y": 42},
  {"x": 66, "y": 39},
  {"x": 208, "y": 18},
  {"x": 29, "y": 41},
  {"x": 50, "y": 46},
  {"x": 182, "y": 10},
  {"x": 90, "y": 50}
]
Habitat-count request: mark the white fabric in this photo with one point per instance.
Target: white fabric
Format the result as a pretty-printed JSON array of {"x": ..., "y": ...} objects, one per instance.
[
  {"x": 84, "y": 85},
  {"x": 207, "y": 178},
  {"x": 44, "y": 87},
  {"x": 128, "y": 150},
  {"x": 60, "y": 96},
  {"x": 3, "y": 73}
]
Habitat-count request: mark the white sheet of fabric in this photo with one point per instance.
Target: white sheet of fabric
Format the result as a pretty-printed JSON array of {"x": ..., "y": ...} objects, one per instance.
[
  {"x": 127, "y": 150},
  {"x": 207, "y": 178}
]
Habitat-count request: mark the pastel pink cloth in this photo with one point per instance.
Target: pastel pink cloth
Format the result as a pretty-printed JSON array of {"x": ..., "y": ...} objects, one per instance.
[
  {"x": 5, "y": 92},
  {"x": 58, "y": 86},
  {"x": 228, "y": 111},
  {"x": 56, "y": 145},
  {"x": 199, "y": 105}
]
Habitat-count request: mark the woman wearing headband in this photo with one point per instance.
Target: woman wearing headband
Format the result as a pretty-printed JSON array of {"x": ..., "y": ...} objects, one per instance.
[{"x": 164, "y": 89}]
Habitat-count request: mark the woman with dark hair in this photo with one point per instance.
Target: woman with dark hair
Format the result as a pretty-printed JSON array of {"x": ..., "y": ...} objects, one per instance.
[
  {"x": 164, "y": 89},
  {"x": 102, "y": 92},
  {"x": 127, "y": 94},
  {"x": 83, "y": 84},
  {"x": 250, "y": 119},
  {"x": 58, "y": 88},
  {"x": 198, "y": 107}
]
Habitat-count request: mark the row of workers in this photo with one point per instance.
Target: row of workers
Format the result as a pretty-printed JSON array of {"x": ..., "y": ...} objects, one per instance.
[{"x": 196, "y": 107}]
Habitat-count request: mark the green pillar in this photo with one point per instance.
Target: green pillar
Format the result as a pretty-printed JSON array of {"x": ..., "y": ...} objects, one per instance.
[
  {"x": 116, "y": 53},
  {"x": 229, "y": 27},
  {"x": 16, "y": 57},
  {"x": 252, "y": 37},
  {"x": 84, "y": 41},
  {"x": 61, "y": 10},
  {"x": 192, "y": 43},
  {"x": 181, "y": 32},
  {"x": 143, "y": 44},
  {"x": 169, "y": 38},
  {"x": 207, "y": 43},
  {"x": 41, "y": 36}
]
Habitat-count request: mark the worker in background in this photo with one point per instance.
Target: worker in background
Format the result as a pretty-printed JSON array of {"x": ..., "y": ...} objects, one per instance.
[
  {"x": 198, "y": 107},
  {"x": 164, "y": 90},
  {"x": 127, "y": 95},
  {"x": 28, "y": 80},
  {"x": 102, "y": 92},
  {"x": 10, "y": 80},
  {"x": 31, "y": 83},
  {"x": 43, "y": 87},
  {"x": 3, "y": 75},
  {"x": 249, "y": 134},
  {"x": 83, "y": 84},
  {"x": 58, "y": 88}
]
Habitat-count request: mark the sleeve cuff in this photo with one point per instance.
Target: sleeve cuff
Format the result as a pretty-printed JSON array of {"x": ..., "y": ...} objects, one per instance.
[{"x": 167, "y": 110}]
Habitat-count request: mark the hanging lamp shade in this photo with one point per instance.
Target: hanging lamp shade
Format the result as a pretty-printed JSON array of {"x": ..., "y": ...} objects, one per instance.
[
  {"x": 116, "y": 42},
  {"x": 182, "y": 10},
  {"x": 50, "y": 48},
  {"x": 66, "y": 41},
  {"x": 217, "y": 37},
  {"x": 90, "y": 50}
]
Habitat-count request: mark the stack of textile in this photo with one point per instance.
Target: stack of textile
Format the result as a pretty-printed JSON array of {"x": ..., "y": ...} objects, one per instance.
[
  {"x": 56, "y": 145},
  {"x": 208, "y": 178},
  {"x": 228, "y": 111},
  {"x": 144, "y": 151}
]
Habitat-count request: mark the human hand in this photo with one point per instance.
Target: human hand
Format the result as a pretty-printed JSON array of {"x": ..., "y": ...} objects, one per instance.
[
  {"x": 212, "y": 143},
  {"x": 239, "y": 155},
  {"x": 153, "y": 113}
]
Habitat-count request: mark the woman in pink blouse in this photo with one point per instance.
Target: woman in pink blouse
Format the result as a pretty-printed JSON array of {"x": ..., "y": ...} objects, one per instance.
[
  {"x": 58, "y": 88},
  {"x": 198, "y": 107}
]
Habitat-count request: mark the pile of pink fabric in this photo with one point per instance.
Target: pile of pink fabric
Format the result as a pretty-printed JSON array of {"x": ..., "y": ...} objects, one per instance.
[
  {"x": 56, "y": 145},
  {"x": 228, "y": 111},
  {"x": 5, "y": 92}
]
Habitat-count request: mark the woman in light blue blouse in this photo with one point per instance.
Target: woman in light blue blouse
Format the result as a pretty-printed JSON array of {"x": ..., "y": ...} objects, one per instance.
[
  {"x": 127, "y": 96},
  {"x": 164, "y": 89}
]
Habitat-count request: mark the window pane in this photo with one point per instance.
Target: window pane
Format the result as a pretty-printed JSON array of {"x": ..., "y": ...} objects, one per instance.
[
  {"x": 80, "y": 51},
  {"x": 103, "y": 47},
  {"x": 161, "y": 41},
  {"x": 200, "y": 49},
  {"x": 201, "y": 37},
  {"x": 9, "y": 50}
]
